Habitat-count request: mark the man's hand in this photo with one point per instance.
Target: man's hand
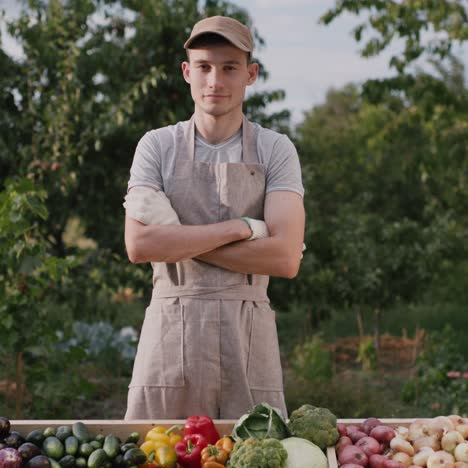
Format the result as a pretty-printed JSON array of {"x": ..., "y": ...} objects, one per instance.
[{"x": 278, "y": 255}]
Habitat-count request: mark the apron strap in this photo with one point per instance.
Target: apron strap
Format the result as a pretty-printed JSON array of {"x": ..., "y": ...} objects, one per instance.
[{"x": 241, "y": 292}]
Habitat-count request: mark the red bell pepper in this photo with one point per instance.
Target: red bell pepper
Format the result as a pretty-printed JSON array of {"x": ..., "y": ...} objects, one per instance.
[
  {"x": 189, "y": 450},
  {"x": 203, "y": 425}
]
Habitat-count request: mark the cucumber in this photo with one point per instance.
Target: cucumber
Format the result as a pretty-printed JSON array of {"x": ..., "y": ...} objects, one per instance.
[
  {"x": 95, "y": 444},
  {"x": 134, "y": 437},
  {"x": 111, "y": 446},
  {"x": 53, "y": 448},
  {"x": 80, "y": 431},
  {"x": 48, "y": 432},
  {"x": 36, "y": 437},
  {"x": 118, "y": 461},
  {"x": 71, "y": 445},
  {"x": 97, "y": 459},
  {"x": 125, "y": 447},
  {"x": 63, "y": 432},
  {"x": 81, "y": 462},
  {"x": 86, "y": 450},
  {"x": 54, "y": 463},
  {"x": 68, "y": 461},
  {"x": 134, "y": 456}
]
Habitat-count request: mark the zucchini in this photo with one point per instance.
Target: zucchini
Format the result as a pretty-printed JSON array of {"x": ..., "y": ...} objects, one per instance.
[
  {"x": 53, "y": 448},
  {"x": 71, "y": 445},
  {"x": 80, "y": 431},
  {"x": 97, "y": 459},
  {"x": 134, "y": 456}
]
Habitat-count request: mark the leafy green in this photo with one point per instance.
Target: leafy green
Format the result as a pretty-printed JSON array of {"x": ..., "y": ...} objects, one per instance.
[{"x": 262, "y": 421}]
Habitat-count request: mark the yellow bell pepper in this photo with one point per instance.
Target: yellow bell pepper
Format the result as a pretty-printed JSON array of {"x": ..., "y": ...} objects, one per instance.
[
  {"x": 176, "y": 434},
  {"x": 157, "y": 434},
  {"x": 159, "y": 454}
]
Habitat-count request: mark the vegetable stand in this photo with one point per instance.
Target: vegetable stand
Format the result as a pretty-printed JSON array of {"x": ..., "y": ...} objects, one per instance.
[{"x": 121, "y": 428}]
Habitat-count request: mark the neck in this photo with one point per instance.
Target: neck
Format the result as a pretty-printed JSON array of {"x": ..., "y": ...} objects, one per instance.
[{"x": 216, "y": 129}]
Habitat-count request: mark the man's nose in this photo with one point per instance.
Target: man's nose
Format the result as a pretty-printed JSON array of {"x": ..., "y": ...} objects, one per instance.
[{"x": 214, "y": 78}]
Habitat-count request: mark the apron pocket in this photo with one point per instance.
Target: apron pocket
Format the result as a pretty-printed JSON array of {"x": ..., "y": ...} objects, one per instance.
[
  {"x": 264, "y": 362},
  {"x": 160, "y": 356}
]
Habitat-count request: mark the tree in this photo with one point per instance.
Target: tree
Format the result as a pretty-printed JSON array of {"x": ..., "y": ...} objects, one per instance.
[
  {"x": 29, "y": 276},
  {"x": 429, "y": 30},
  {"x": 85, "y": 93}
]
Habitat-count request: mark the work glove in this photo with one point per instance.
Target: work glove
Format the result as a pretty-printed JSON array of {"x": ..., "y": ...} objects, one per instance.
[
  {"x": 260, "y": 230},
  {"x": 149, "y": 206}
]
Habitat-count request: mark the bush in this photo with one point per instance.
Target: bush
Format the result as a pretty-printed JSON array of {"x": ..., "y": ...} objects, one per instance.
[{"x": 433, "y": 388}]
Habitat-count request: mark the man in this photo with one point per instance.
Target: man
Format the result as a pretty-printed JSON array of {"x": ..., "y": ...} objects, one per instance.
[{"x": 215, "y": 204}]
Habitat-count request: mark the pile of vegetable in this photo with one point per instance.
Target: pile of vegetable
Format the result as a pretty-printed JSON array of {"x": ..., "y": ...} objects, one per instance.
[
  {"x": 67, "y": 447},
  {"x": 284, "y": 444},
  {"x": 439, "y": 442},
  {"x": 260, "y": 439}
]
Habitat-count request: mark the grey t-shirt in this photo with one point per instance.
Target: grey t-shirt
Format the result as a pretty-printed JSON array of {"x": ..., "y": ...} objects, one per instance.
[{"x": 153, "y": 161}]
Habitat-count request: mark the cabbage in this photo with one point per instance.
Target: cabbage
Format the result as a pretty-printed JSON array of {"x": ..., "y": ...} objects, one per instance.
[
  {"x": 303, "y": 454},
  {"x": 261, "y": 422}
]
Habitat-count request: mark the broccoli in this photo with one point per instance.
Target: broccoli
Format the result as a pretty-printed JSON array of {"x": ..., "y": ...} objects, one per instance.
[
  {"x": 315, "y": 424},
  {"x": 258, "y": 453}
]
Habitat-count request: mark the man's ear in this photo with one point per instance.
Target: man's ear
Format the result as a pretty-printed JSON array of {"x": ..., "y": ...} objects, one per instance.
[
  {"x": 252, "y": 69},
  {"x": 186, "y": 71}
]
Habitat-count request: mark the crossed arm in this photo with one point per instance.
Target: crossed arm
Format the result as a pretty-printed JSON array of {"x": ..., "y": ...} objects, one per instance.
[{"x": 224, "y": 244}]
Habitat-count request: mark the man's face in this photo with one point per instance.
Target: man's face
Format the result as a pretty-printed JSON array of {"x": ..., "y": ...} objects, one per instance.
[{"x": 218, "y": 76}]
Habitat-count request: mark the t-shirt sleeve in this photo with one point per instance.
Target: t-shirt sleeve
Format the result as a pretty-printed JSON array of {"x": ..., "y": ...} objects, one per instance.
[
  {"x": 284, "y": 169},
  {"x": 146, "y": 166}
]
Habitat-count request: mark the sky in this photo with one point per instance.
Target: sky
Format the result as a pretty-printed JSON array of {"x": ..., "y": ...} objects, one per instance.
[
  {"x": 303, "y": 57},
  {"x": 306, "y": 58}
]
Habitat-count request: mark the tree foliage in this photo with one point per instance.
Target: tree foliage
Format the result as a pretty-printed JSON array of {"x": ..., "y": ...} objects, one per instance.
[
  {"x": 95, "y": 76},
  {"x": 427, "y": 28}
]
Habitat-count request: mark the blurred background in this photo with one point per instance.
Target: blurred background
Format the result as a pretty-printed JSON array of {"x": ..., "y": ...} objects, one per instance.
[{"x": 373, "y": 94}]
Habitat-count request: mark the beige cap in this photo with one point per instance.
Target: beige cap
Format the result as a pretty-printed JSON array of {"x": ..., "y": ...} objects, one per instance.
[{"x": 234, "y": 31}]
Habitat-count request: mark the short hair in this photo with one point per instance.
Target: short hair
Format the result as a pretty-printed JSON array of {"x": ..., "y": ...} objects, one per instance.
[{"x": 211, "y": 39}]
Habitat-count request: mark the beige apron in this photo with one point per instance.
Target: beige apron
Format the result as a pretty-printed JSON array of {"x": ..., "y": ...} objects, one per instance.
[{"x": 209, "y": 343}]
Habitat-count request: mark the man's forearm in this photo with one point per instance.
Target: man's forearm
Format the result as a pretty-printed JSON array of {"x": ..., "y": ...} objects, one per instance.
[
  {"x": 261, "y": 257},
  {"x": 173, "y": 243}
]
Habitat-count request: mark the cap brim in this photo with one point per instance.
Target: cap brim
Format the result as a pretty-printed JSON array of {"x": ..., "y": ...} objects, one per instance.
[{"x": 232, "y": 40}]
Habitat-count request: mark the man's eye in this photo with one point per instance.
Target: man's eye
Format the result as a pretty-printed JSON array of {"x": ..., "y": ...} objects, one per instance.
[{"x": 230, "y": 68}]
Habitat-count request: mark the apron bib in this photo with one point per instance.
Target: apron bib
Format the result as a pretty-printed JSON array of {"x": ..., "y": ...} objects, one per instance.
[{"x": 209, "y": 342}]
